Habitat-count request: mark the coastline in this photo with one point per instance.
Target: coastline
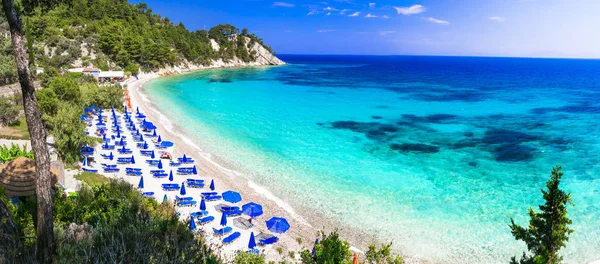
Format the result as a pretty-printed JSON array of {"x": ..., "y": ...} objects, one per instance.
[{"x": 305, "y": 222}]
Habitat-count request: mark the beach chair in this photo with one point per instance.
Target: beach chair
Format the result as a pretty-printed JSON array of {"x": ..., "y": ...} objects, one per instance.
[
  {"x": 133, "y": 173},
  {"x": 222, "y": 231},
  {"x": 208, "y": 193},
  {"x": 104, "y": 156},
  {"x": 198, "y": 214},
  {"x": 212, "y": 198},
  {"x": 156, "y": 171},
  {"x": 170, "y": 186},
  {"x": 231, "y": 238},
  {"x": 124, "y": 160},
  {"x": 133, "y": 169},
  {"x": 124, "y": 151},
  {"x": 107, "y": 147},
  {"x": 90, "y": 170},
  {"x": 108, "y": 165},
  {"x": 187, "y": 203},
  {"x": 146, "y": 152},
  {"x": 160, "y": 175},
  {"x": 194, "y": 183},
  {"x": 111, "y": 170},
  {"x": 268, "y": 241},
  {"x": 174, "y": 163},
  {"x": 235, "y": 212},
  {"x": 206, "y": 219},
  {"x": 148, "y": 194},
  {"x": 186, "y": 161},
  {"x": 177, "y": 198}
]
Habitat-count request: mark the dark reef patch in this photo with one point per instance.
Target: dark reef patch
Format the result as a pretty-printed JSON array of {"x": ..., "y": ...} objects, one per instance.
[
  {"x": 376, "y": 117},
  {"x": 322, "y": 92},
  {"x": 473, "y": 164},
  {"x": 382, "y": 107},
  {"x": 373, "y": 130},
  {"x": 585, "y": 108},
  {"x": 513, "y": 153},
  {"x": 465, "y": 96},
  {"x": 468, "y": 134},
  {"x": 503, "y": 136},
  {"x": 440, "y": 118},
  {"x": 411, "y": 147}
]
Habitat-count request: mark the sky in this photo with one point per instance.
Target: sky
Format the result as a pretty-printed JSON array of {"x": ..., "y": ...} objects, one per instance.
[{"x": 514, "y": 28}]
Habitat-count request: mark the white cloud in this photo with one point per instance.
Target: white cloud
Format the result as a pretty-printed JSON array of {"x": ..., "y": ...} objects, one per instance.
[
  {"x": 370, "y": 16},
  {"x": 287, "y": 31},
  {"x": 385, "y": 17},
  {"x": 325, "y": 30},
  {"x": 411, "y": 10},
  {"x": 343, "y": 12},
  {"x": 355, "y": 14},
  {"x": 329, "y": 8},
  {"x": 329, "y": 13},
  {"x": 437, "y": 21},
  {"x": 323, "y": 3},
  {"x": 371, "y": 4},
  {"x": 283, "y": 4},
  {"x": 496, "y": 18},
  {"x": 383, "y": 33},
  {"x": 312, "y": 12}
]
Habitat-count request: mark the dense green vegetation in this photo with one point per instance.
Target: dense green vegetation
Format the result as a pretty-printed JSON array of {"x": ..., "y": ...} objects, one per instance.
[
  {"x": 8, "y": 111},
  {"x": 548, "y": 230},
  {"x": 117, "y": 34},
  {"x": 113, "y": 223},
  {"x": 91, "y": 179},
  {"x": 63, "y": 102}
]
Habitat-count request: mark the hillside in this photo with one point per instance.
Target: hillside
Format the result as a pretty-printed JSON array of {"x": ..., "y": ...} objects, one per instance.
[{"x": 114, "y": 34}]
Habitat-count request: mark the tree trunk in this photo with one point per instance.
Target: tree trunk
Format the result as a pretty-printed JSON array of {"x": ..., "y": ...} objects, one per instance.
[{"x": 44, "y": 232}]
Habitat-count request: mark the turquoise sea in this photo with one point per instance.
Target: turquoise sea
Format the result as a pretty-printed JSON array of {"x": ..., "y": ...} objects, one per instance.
[{"x": 432, "y": 153}]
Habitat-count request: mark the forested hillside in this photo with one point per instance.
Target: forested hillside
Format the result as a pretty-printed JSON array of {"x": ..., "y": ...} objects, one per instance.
[{"x": 114, "y": 34}]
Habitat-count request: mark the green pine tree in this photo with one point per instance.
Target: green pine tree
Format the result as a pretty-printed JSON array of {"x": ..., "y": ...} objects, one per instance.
[{"x": 548, "y": 230}]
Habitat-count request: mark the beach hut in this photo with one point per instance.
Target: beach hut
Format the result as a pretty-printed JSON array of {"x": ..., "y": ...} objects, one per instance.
[{"x": 18, "y": 177}]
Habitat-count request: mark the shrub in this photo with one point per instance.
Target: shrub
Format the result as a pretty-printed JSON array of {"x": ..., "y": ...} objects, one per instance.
[
  {"x": 248, "y": 258},
  {"x": 330, "y": 249},
  {"x": 68, "y": 131},
  {"x": 8, "y": 111},
  {"x": 7, "y": 154},
  {"x": 382, "y": 255}
]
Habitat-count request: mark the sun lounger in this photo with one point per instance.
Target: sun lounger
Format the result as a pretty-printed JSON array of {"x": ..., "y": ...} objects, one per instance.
[
  {"x": 157, "y": 171},
  {"x": 133, "y": 169},
  {"x": 206, "y": 219},
  {"x": 186, "y": 161},
  {"x": 177, "y": 198},
  {"x": 268, "y": 241},
  {"x": 208, "y": 193},
  {"x": 186, "y": 203},
  {"x": 111, "y": 170},
  {"x": 198, "y": 213},
  {"x": 195, "y": 184},
  {"x": 174, "y": 163},
  {"x": 133, "y": 173},
  {"x": 119, "y": 143},
  {"x": 124, "y": 160},
  {"x": 148, "y": 194},
  {"x": 124, "y": 151},
  {"x": 184, "y": 173},
  {"x": 160, "y": 175},
  {"x": 222, "y": 231},
  {"x": 231, "y": 238},
  {"x": 109, "y": 165},
  {"x": 107, "y": 147},
  {"x": 212, "y": 198},
  {"x": 104, "y": 156},
  {"x": 146, "y": 152},
  {"x": 90, "y": 170},
  {"x": 170, "y": 186},
  {"x": 152, "y": 162}
]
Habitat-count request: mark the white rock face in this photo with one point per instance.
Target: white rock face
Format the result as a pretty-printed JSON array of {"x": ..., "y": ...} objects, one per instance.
[{"x": 215, "y": 45}]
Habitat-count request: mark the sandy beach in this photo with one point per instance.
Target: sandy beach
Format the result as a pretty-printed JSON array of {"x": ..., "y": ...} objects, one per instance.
[{"x": 225, "y": 179}]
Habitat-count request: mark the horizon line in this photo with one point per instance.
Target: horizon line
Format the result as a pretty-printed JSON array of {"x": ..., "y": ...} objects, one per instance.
[{"x": 441, "y": 55}]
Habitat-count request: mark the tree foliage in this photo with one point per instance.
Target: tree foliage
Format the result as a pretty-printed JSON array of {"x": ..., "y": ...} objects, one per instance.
[
  {"x": 68, "y": 131},
  {"x": 548, "y": 230},
  {"x": 7, "y": 154},
  {"x": 8, "y": 111},
  {"x": 382, "y": 255},
  {"x": 330, "y": 249}
]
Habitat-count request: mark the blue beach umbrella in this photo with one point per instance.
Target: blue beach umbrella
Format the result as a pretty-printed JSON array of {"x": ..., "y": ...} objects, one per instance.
[
  {"x": 141, "y": 184},
  {"x": 278, "y": 225},
  {"x": 106, "y": 144},
  {"x": 252, "y": 242},
  {"x": 212, "y": 185},
  {"x": 141, "y": 137},
  {"x": 152, "y": 154},
  {"x": 110, "y": 156},
  {"x": 184, "y": 159},
  {"x": 137, "y": 109},
  {"x": 194, "y": 171},
  {"x": 160, "y": 164},
  {"x": 252, "y": 209},
  {"x": 104, "y": 137},
  {"x": 202, "y": 205},
  {"x": 118, "y": 134},
  {"x": 182, "y": 190},
  {"x": 192, "y": 223},
  {"x": 171, "y": 176},
  {"x": 165, "y": 198},
  {"x": 232, "y": 197},
  {"x": 85, "y": 161},
  {"x": 123, "y": 143},
  {"x": 159, "y": 139},
  {"x": 145, "y": 146},
  {"x": 123, "y": 149},
  {"x": 166, "y": 144},
  {"x": 223, "y": 219},
  {"x": 154, "y": 134},
  {"x": 312, "y": 253},
  {"x": 132, "y": 160}
]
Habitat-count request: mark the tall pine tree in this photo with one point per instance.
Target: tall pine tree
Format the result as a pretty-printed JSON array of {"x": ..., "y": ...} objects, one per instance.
[{"x": 548, "y": 230}]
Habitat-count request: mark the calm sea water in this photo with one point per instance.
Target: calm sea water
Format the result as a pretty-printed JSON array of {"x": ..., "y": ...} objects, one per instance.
[{"x": 432, "y": 153}]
